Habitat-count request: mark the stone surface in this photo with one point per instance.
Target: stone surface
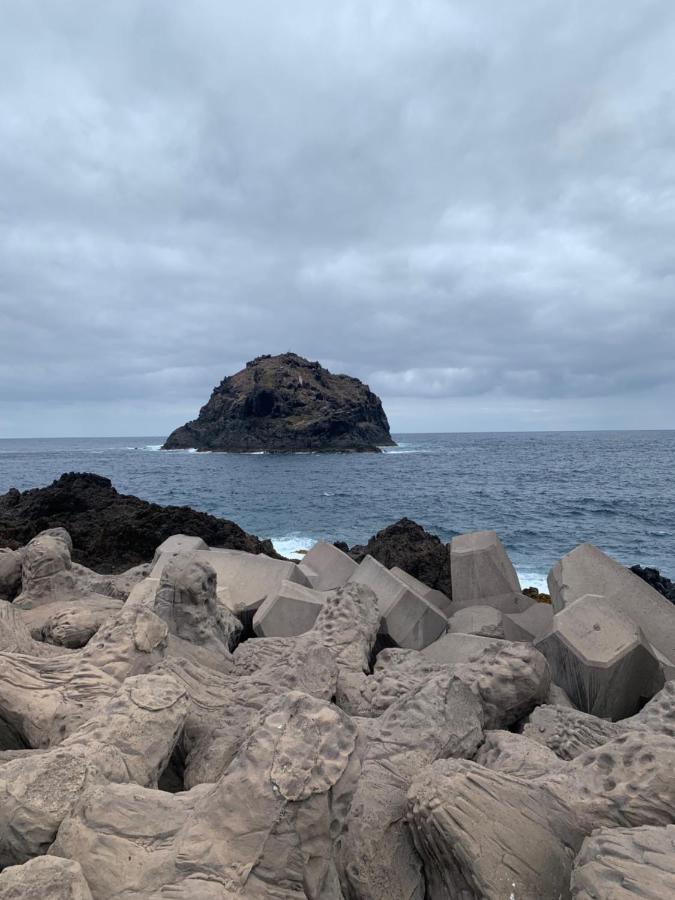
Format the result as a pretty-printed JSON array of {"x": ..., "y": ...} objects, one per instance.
[
  {"x": 407, "y": 546},
  {"x": 483, "y": 574},
  {"x": 290, "y": 612},
  {"x": 111, "y": 531},
  {"x": 179, "y": 544},
  {"x": 431, "y": 595},
  {"x": 10, "y": 574},
  {"x": 249, "y": 578},
  {"x": 485, "y": 621},
  {"x": 530, "y": 624},
  {"x": 516, "y": 754},
  {"x": 655, "y": 579},
  {"x": 600, "y": 658},
  {"x": 326, "y": 567},
  {"x": 569, "y": 732},
  {"x": 44, "y": 878},
  {"x": 129, "y": 739},
  {"x": 286, "y": 403},
  {"x": 407, "y": 618},
  {"x": 509, "y": 680},
  {"x": 587, "y": 570},
  {"x": 263, "y": 831},
  {"x": 490, "y": 834},
  {"x": 625, "y": 863}
]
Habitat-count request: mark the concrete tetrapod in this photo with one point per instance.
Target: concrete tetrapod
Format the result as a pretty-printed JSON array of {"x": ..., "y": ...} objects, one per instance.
[
  {"x": 600, "y": 658},
  {"x": 483, "y": 575},
  {"x": 587, "y": 570}
]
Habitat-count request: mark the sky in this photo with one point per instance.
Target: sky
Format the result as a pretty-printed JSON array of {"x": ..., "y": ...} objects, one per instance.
[{"x": 468, "y": 205}]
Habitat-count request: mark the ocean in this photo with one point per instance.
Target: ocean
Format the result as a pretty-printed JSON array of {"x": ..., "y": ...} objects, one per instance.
[{"x": 543, "y": 492}]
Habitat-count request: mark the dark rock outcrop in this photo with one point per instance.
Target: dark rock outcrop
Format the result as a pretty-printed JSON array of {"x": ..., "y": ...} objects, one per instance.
[
  {"x": 284, "y": 404},
  {"x": 656, "y": 580},
  {"x": 111, "y": 532},
  {"x": 407, "y": 545}
]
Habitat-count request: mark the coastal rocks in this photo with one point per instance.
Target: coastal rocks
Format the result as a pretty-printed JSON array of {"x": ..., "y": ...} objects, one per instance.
[
  {"x": 490, "y": 834},
  {"x": 111, "y": 532},
  {"x": 10, "y": 574},
  {"x": 286, "y": 404},
  {"x": 262, "y": 831},
  {"x": 587, "y": 570},
  {"x": 483, "y": 574},
  {"x": 44, "y": 878},
  {"x": 408, "y": 618},
  {"x": 625, "y": 863},
  {"x": 407, "y": 546},
  {"x": 655, "y": 579},
  {"x": 600, "y": 658}
]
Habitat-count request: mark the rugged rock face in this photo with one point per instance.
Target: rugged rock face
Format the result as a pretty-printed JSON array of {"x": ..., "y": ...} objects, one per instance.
[
  {"x": 283, "y": 404},
  {"x": 656, "y": 580},
  {"x": 407, "y": 545},
  {"x": 110, "y": 531}
]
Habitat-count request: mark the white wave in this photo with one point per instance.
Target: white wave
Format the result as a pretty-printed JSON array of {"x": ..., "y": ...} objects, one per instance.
[
  {"x": 289, "y": 545},
  {"x": 533, "y": 579},
  {"x": 393, "y": 451}
]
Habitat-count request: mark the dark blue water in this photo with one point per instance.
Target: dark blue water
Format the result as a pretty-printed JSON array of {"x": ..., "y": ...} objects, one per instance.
[{"x": 542, "y": 492}]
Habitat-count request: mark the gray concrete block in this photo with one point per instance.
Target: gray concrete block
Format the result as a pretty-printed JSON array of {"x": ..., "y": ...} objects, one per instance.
[
  {"x": 431, "y": 595},
  {"x": 530, "y": 624},
  {"x": 600, "y": 658},
  {"x": 407, "y": 617},
  {"x": 172, "y": 546},
  {"x": 587, "y": 570},
  {"x": 481, "y": 620},
  {"x": 327, "y": 567},
  {"x": 291, "y": 611},
  {"x": 482, "y": 573}
]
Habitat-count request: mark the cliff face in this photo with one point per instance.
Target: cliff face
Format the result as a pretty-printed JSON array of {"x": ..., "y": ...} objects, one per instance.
[{"x": 283, "y": 404}]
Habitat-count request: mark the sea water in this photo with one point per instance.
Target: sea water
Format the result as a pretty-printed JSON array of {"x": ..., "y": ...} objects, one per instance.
[{"x": 544, "y": 492}]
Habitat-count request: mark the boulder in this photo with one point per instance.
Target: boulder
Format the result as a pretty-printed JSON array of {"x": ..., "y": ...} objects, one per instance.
[
  {"x": 284, "y": 404},
  {"x": 600, "y": 658},
  {"x": 291, "y": 611},
  {"x": 44, "y": 878},
  {"x": 626, "y": 864},
  {"x": 587, "y": 570},
  {"x": 486, "y": 833},
  {"x": 326, "y": 567},
  {"x": 407, "y": 546},
  {"x": 485, "y": 621},
  {"x": 530, "y": 624},
  {"x": 10, "y": 574},
  {"x": 111, "y": 531},
  {"x": 407, "y": 618},
  {"x": 655, "y": 579},
  {"x": 454, "y": 648},
  {"x": 483, "y": 574}
]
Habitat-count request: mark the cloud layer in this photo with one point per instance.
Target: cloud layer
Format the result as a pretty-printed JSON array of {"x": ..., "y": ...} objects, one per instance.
[{"x": 470, "y": 206}]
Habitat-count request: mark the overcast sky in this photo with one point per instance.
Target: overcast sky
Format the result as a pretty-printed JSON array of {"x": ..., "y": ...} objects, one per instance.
[{"x": 469, "y": 205}]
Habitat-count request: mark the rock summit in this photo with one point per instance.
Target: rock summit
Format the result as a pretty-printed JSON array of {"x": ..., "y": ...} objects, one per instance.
[{"x": 286, "y": 404}]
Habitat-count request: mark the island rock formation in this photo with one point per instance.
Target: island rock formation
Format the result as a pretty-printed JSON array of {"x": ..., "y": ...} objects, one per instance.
[{"x": 286, "y": 404}]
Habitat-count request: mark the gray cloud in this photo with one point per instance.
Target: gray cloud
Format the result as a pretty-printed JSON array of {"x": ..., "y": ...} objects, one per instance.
[{"x": 468, "y": 205}]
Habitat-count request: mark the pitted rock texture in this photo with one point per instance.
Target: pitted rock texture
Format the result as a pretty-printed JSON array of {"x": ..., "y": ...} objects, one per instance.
[
  {"x": 156, "y": 763},
  {"x": 284, "y": 404}
]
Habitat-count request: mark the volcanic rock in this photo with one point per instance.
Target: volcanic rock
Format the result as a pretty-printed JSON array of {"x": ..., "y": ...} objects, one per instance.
[
  {"x": 286, "y": 404},
  {"x": 110, "y": 531},
  {"x": 406, "y": 545}
]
